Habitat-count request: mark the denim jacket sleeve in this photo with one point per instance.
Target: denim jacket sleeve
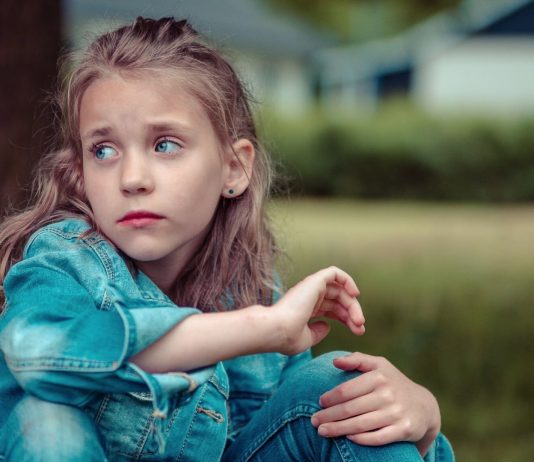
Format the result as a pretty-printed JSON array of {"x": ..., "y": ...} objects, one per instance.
[{"x": 74, "y": 316}]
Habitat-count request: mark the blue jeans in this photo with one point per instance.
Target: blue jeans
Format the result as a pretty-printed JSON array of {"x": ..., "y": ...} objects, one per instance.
[
  {"x": 39, "y": 431},
  {"x": 280, "y": 431}
]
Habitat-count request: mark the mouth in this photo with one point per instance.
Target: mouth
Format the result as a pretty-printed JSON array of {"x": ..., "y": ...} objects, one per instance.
[{"x": 139, "y": 219}]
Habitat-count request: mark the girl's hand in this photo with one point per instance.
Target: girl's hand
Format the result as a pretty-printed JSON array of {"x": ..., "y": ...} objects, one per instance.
[
  {"x": 330, "y": 292},
  {"x": 378, "y": 407}
]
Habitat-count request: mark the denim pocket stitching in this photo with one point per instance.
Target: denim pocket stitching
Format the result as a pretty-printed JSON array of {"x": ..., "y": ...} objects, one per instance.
[
  {"x": 222, "y": 388},
  {"x": 102, "y": 408}
]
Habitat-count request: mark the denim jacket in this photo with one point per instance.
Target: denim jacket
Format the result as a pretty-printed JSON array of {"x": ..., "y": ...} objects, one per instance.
[{"x": 74, "y": 314}]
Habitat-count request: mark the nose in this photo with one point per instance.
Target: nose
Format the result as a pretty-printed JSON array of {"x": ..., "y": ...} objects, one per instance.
[{"x": 136, "y": 176}]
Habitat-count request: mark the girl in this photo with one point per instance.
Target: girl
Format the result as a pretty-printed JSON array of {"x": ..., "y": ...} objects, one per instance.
[{"x": 154, "y": 199}]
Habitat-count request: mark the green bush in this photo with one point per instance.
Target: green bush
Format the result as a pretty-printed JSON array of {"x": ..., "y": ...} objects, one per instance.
[
  {"x": 403, "y": 153},
  {"x": 448, "y": 297}
]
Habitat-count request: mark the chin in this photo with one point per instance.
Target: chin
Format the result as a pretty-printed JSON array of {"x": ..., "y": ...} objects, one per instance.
[{"x": 142, "y": 255}]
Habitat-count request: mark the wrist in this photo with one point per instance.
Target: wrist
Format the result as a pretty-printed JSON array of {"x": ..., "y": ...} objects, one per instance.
[{"x": 265, "y": 327}]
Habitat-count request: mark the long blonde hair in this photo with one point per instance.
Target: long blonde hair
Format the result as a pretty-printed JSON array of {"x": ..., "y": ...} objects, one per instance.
[{"x": 236, "y": 260}]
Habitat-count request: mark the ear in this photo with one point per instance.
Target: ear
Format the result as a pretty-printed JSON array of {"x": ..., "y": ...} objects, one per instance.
[{"x": 239, "y": 162}]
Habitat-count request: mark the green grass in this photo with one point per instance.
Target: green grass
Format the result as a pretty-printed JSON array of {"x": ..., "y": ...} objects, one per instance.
[{"x": 448, "y": 295}]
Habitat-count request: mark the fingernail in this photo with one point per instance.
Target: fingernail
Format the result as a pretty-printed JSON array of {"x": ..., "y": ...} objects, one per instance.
[
  {"x": 322, "y": 430},
  {"x": 314, "y": 421}
]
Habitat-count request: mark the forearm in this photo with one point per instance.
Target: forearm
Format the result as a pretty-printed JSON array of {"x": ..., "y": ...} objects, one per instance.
[{"x": 205, "y": 339}]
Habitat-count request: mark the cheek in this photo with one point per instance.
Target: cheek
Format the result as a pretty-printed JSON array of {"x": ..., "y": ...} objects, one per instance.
[
  {"x": 194, "y": 198},
  {"x": 94, "y": 189},
  {"x": 199, "y": 186},
  {"x": 87, "y": 178}
]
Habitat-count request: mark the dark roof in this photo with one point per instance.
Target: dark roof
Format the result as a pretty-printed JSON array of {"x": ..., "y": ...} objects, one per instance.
[
  {"x": 443, "y": 30},
  {"x": 512, "y": 21},
  {"x": 240, "y": 24}
]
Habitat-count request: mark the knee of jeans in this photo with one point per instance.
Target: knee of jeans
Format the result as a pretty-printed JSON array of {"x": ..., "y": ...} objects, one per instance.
[
  {"x": 443, "y": 449},
  {"x": 318, "y": 376},
  {"x": 51, "y": 431}
]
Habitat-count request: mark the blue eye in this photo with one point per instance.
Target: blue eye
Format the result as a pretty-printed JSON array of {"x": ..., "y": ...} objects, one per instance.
[
  {"x": 167, "y": 147},
  {"x": 103, "y": 152}
]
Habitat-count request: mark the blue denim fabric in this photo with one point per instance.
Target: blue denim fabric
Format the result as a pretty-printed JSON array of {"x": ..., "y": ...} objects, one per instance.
[
  {"x": 75, "y": 314},
  {"x": 279, "y": 430},
  {"x": 253, "y": 380},
  {"x": 282, "y": 431},
  {"x": 38, "y": 430}
]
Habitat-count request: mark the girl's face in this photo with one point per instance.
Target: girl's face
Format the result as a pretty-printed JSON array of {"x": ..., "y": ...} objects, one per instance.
[{"x": 154, "y": 170}]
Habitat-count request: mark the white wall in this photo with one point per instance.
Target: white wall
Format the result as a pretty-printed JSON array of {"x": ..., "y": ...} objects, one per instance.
[
  {"x": 479, "y": 75},
  {"x": 277, "y": 83}
]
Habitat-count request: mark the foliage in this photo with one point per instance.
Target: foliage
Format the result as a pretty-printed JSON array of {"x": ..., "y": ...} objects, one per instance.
[
  {"x": 447, "y": 295},
  {"x": 360, "y": 20},
  {"x": 403, "y": 153}
]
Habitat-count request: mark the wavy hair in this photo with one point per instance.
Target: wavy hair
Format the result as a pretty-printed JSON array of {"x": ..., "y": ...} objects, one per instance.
[{"x": 236, "y": 260}]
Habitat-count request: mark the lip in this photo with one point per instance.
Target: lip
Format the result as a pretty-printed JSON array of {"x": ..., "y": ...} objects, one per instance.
[{"x": 139, "y": 218}]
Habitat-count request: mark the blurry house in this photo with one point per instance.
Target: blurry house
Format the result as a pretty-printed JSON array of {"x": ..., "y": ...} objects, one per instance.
[
  {"x": 271, "y": 52},
  {"x": 477, "y": 58}
]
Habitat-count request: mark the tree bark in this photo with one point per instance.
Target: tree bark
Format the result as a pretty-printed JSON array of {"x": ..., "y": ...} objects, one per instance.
[{"x": 30, "y": 42}]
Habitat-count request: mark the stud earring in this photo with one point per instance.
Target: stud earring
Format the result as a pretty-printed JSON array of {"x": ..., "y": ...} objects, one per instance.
[{"x": 231, "y": 191}]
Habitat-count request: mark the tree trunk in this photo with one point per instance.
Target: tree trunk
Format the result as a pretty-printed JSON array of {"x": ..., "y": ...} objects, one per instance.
[{"x": 30, "y": 42}]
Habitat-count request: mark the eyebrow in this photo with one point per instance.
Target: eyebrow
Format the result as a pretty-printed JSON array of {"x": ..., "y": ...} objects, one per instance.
[
  {"x": 174, "y": 127},
  {"x": 155, "y": 128},
  {"x": 97, "y": 132}
]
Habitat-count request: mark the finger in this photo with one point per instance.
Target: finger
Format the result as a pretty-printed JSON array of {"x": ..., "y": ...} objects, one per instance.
[
  {"x": 369, "y": 422},
  {"x": 357, "y": 329},
  {"x": 385, "y": 435},
  {"x": 355, "y": 321},
  {"x": 334, "y": 274},
  {"x": 351, "y": 389},
  {"x": 338, "y": 313},
  {"x": 327, "y": 305},
  {"x": 358, "y": 361},
  {"x": 333, "y": 290},
  {"x": 352, "y": 408},
  {"x": 349, "y": 303},
  {"x": 318, "y": 331},
  {"x": 339, "y": 294},
  {"x": 333, "y": 309},
  {"x": 356, "y": 313}
]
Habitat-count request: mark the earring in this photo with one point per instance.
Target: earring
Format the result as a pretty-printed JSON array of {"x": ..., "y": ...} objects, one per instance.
[{"x": 231, "y": 191}]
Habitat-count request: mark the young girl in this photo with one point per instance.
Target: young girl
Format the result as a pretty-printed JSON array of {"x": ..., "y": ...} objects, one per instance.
[{"x": 142, "y": 319}]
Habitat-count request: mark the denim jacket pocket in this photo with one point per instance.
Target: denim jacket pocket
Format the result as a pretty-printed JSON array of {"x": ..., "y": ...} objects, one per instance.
[
  {"x": 126, "y": 423},
  {"x": 195, "y": 426},
  {"x": 197, "y": 429}
]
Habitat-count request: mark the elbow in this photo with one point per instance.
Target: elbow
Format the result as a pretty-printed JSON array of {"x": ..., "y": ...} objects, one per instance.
[{"x": 32, "y": 345}]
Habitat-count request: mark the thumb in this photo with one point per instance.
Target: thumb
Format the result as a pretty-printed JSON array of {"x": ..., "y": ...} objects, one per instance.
[
  {"x": 319, "y": 330},
  {"x": 357, "y": 361}
]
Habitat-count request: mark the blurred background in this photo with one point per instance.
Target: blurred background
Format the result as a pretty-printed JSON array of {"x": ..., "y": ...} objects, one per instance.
[{"x": 403, "y": 132}]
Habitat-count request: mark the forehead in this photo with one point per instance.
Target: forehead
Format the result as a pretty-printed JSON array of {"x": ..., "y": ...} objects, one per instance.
[{"x": 132, "y": 95}]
